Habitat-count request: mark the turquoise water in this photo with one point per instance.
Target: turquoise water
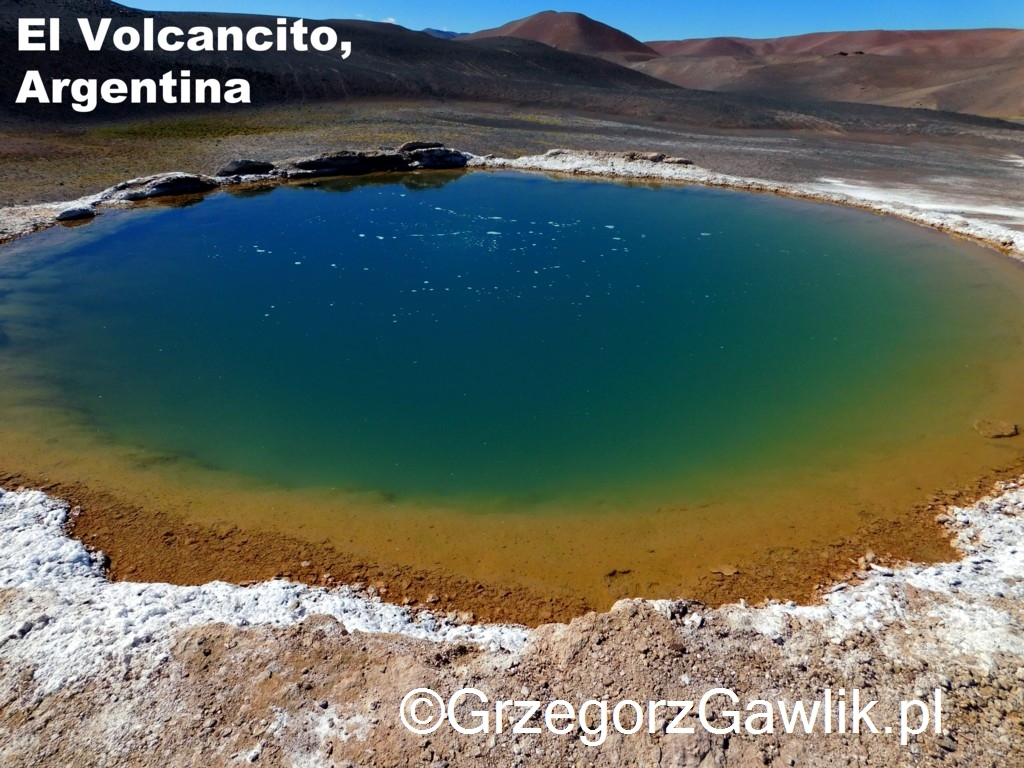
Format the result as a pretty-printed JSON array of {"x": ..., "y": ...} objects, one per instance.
[{"x": 506, "y": 336}]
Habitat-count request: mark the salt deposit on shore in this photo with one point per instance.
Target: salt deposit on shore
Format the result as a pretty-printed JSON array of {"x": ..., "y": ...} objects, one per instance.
[
  {"x": 79, "y": 647},
  {"x": 64, "y": 620},
  {"x": 961, "y": 217}
]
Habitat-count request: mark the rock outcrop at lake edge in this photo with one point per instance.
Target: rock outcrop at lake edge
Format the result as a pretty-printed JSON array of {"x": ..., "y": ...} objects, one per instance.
[
  {"x": 17, "y": 221},
  {"x": 160, "y": 185},
  {"x": 411, "y": 156}
]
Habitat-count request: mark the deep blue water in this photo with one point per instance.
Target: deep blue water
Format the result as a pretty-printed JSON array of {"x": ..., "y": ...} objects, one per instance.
[{"x": 509, "y": 336}]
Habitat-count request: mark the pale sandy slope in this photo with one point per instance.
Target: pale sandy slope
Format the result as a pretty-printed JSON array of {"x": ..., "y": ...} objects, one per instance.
[{"x": 980, "y": 71}]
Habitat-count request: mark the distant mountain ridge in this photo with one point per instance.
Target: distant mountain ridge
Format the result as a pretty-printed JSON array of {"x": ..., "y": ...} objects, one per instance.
[
  {"x": 974, "y": 71},
  {"x": 444, "y": 34},
  {"x": 965, "y": 43}
]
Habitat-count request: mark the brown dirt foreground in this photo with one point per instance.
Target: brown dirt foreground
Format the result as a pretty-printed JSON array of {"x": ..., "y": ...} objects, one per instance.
[{"x": 315, "y": 695}]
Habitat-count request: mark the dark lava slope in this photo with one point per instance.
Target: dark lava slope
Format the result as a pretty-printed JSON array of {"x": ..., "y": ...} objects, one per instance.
[{"x": 386, "y": 61}]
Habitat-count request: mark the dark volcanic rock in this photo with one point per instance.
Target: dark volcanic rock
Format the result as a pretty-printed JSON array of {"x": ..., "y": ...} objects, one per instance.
[
  {"x": 245, "y": 168},
  {"x": 409, "y": 146},
  {"x": 344, "y": 163},
  {"x": 162, "y": 185},
  {"x": 439, "y": 158},
  {"x": 77, "y": 213},
  {"x": 382, "y": 160},
  {"x": 184, "y": 184},
  {"x": 349, "y": 163}
]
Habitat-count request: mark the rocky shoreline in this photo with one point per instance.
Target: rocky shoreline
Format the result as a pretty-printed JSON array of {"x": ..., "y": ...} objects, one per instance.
[
  {"x": 411, "y": 156},
  {"x": 17, "y": 221}
]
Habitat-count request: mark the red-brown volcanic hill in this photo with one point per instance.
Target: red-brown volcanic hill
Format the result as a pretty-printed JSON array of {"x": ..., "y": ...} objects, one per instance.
[
  {"x": 977, "y": 71},
  {"x": 576, "y": 33}
]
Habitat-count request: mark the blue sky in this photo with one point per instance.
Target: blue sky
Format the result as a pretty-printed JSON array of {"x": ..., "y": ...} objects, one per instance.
[{"x": 651, "y": 20}]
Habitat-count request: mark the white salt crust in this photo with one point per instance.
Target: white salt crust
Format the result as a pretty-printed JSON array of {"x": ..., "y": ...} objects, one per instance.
[
  {"x": 66, "y": 621},
  {"x": 61, "y": 618},
  {"x": 971, "y": 609}
]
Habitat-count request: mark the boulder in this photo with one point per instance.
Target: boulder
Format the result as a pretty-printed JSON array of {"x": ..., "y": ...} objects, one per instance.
[
  {"x": 438, "y": 158},
  {"x": 161, "y": 185},
  {"x": 343, "y": 162},
  {"x": 995, "y": 429},
  {"x": 381, "y": 160},
  {"x": 76, "y": 213},
  {"x": 179, "y": 184},
  {"x": 411, "y": 146},
  {"x": 350, "y": 163},
  {"x": 241, "y": 167}
]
